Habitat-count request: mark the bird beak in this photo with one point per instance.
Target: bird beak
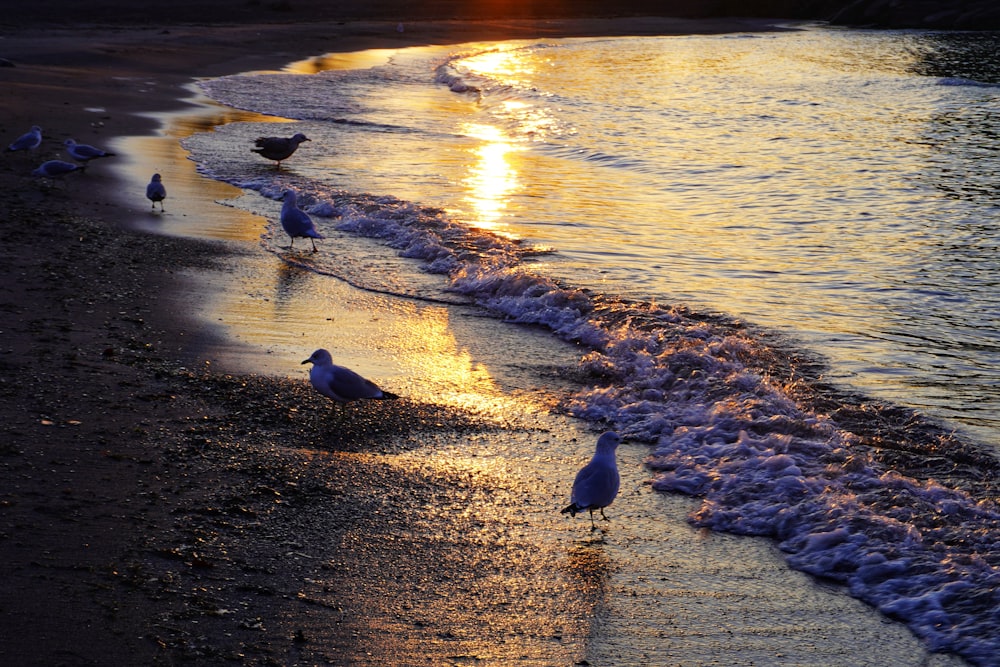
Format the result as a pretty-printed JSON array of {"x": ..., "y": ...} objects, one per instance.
[{"x": 306, "y": 361}]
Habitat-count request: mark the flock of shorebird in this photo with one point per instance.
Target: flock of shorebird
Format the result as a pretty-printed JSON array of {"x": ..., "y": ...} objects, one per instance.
[
  {"x": 596, "y": 484},
  {"x": 82, "y": 154},
  {"x": 295, "y": 221}
]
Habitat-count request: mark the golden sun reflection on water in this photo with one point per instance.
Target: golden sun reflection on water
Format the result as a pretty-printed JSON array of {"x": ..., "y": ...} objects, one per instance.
[
  {"x": 190, "y": 208},
  {"x": 338, "y": 61},
  {"x": 409, "y": 348},
  {"x": 492, "y": 178},
  {"x": 436, "y": 366},
  {"x": 507, "y": 63}
]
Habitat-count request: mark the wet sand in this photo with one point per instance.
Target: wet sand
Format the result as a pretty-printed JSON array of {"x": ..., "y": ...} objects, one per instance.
[{"x": 171, "y": 494}]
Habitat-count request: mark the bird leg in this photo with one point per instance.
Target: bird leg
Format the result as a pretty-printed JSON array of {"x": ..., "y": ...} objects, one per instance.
[
  {"x": 593, "y": 526},
  {"x": 314, "y": 244}
]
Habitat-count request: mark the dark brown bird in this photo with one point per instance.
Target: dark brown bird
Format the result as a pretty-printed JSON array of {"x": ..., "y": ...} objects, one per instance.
[{"x": 278, "y": 148}]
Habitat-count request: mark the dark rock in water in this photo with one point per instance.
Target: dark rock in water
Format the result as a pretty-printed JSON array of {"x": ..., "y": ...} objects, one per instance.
[{"x": 928, "y": 14}]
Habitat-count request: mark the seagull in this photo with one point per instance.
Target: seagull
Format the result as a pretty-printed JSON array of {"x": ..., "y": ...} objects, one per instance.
[
  {"x": 155, "y": 192},
  {"x": 83, "y": 152},
  {"x": 296, "y": 222},
  {"x": 341, "y": 384},
  {"x": 596, "y": 485},
  {"x": 28, "y": 141},
  {"x": 278, "y": 148},
  {"x": 54, "y": 168}
]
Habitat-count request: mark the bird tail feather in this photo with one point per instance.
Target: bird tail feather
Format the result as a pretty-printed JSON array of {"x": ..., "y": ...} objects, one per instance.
[{"x": 572, "y": 508}]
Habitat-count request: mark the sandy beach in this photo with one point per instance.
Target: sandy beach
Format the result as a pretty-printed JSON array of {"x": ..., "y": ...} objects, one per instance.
[{"x": 165, "y": 499}]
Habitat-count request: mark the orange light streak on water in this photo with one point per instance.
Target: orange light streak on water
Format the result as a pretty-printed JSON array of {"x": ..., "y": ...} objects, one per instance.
[
  {"x": 336, "y": 61},
  {"x": 505, "y": 62},
  {"x": 492, "y": 178},
  {"x": 190, "y": 204}
]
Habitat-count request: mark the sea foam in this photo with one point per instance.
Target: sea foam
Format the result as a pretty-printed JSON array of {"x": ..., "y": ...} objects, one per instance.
[{"x": 697, "y": 390}]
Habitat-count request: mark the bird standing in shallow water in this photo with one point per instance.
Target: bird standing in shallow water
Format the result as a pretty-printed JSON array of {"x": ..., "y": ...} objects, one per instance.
[
  {"x": 296, "y": 222},
  {"x": 83, "y": 152},
  {"x": 278, "y": 148},
  {"x": 155, "y": 192},
  {"x": 339, "y": 383},
  {"x": 28, "y": 141},
  {"x": 596, "y": 485}
]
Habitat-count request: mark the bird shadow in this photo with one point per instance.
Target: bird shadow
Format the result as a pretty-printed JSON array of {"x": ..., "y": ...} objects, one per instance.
[{"x": 389, "y": 426}]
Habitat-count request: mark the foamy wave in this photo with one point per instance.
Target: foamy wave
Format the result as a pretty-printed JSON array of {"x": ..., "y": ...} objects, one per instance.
[
  {"x": 448, "y": 76},
  {"x": 918, "y": 551},
  {"x": 960, "y": 81}
]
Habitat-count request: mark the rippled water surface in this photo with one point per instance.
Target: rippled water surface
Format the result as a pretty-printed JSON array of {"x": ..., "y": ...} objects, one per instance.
[{"x": 840, "y": 186}]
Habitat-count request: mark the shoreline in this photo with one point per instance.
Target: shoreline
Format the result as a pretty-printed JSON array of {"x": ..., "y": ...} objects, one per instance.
[
  {"x": 246, "y": 48},
  {"x": 126, "y": 486},
  {"x": 190, "y": 514}
]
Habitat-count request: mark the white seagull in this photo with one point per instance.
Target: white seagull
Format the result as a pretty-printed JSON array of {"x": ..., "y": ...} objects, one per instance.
[
  {"x": 54, "y": 168},
  {"x": 596, "y": 485},
  {"x": 83, "y": 152},
  {"x": 296, "y": 222},
  {"x": 278, "y": 148},
  {"x": 339, "y": 383},
  {"x": 28, "y": 141},
  {"x": 155, "y": 192}
]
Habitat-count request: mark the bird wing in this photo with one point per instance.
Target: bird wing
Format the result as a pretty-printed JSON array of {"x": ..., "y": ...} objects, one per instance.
[
  {"x": 343, "y": 384},
  {"x": 275, "y": 145},
  {"x": 57, "y": 168},
  {"x": 84, "y": 151},
  {"x": 296, "y": 221},
  {"x": 352, "y": 386},
  {"x": 155, "y": 191},
  {"x": 596, "y": 485},
  {"x": 24, "y": 141}
]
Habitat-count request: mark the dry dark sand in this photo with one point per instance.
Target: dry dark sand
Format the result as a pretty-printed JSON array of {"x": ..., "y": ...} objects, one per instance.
[{"x": 158, "y": 510}]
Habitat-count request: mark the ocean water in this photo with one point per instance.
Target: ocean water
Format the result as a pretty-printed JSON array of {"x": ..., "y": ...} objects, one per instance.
[{"x": 776, "y": 252}]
